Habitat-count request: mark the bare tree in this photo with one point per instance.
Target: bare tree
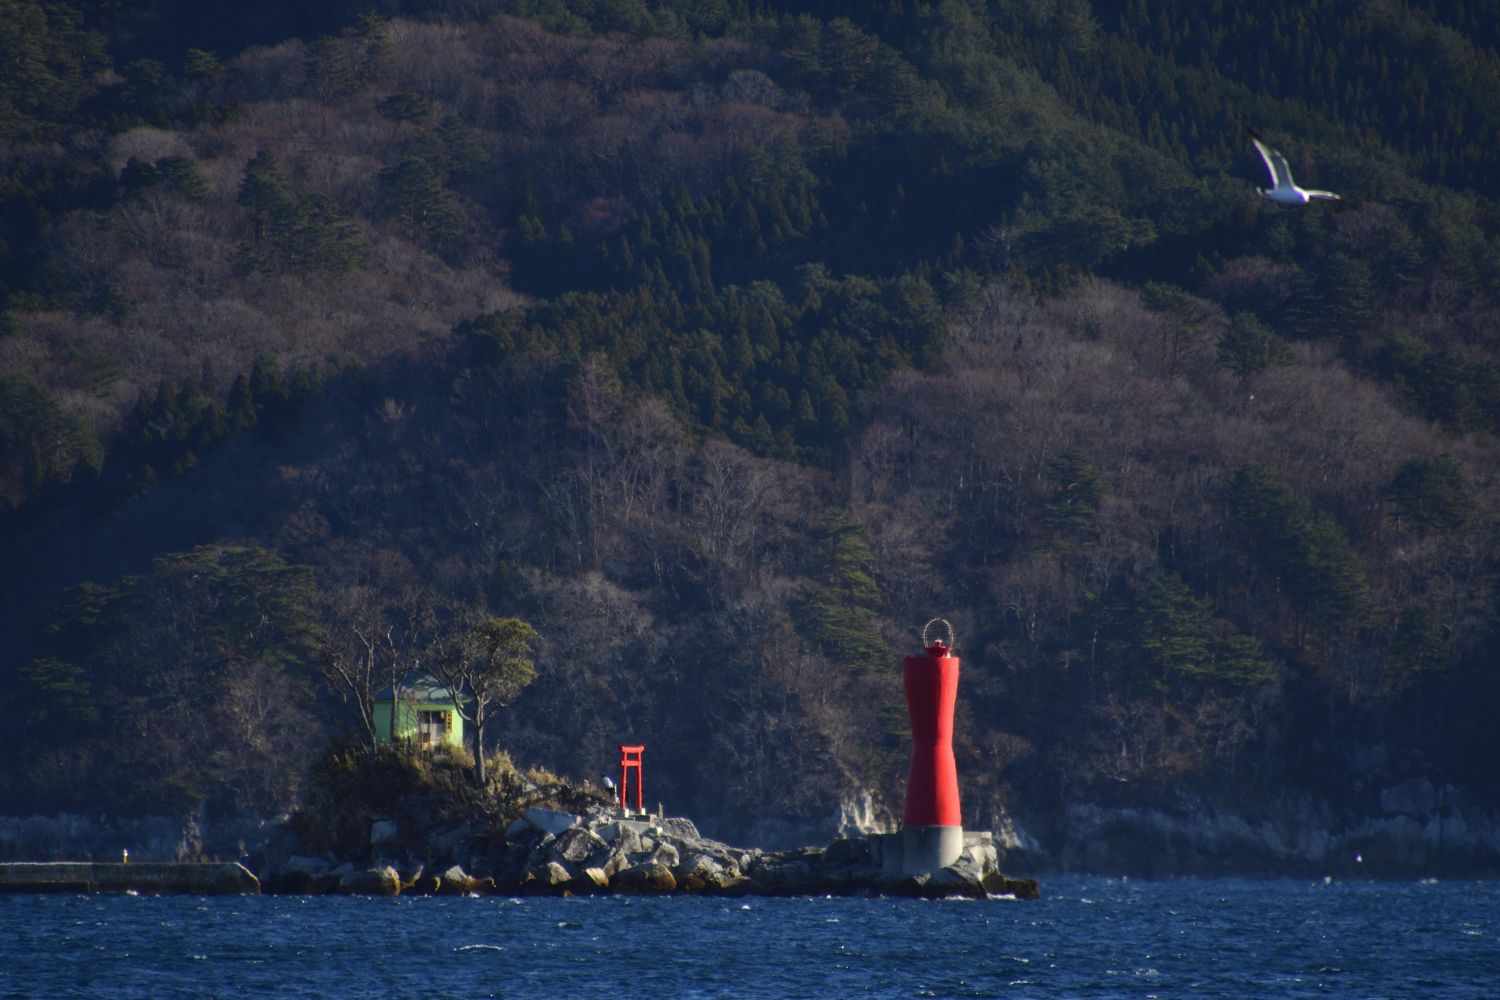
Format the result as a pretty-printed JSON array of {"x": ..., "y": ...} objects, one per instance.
[{"x": 373, "y": 645}]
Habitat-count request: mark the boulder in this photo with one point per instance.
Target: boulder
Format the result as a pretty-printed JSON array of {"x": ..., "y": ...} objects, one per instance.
[
  {"x": 1020, "y": 888},
  {"x": 680, "y": 828},
  {"x": 371, "y": 882},
  {"x": 232, "y": 878},
  {"x": 556, "y": 874},
  {"x": 300, "y": 874},
  {"x": 590, "y": 880},
  {"x": 521, "y": 831},
  {"x": 382, "y": 831},
  {"x": 958, "y": 879},
  {"x": 542, "y": 851},
  {"x": 408, "y": 875},
  {"x": 784, "y": 875},
  {"x": 616, "y": 863},
  {"x": 307, "y": 867},
  {"x": 553, "y": 877},
  {"x": 455, "y": 882},
  {"x": 844, "y": 852},
  {"x": 442, "y": 843},
  {"x": 551, "y": 821},
  {"x": 626, "y": 836},
  {"x": 666, "y": 855},
  {"x": 577, "y": 845},
  {"x": 737, "y": 885},
  {"x": 322, "y": 885},
  {"x": 644, "y": 878},
  {"x": 302, "y": 867},
  {"x": 276, "y": 851},
  {"x": 703, "y": 873}
]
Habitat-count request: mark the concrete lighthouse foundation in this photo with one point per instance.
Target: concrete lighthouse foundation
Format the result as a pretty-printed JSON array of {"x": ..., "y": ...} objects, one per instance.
[{"x": 916, "y": 849}]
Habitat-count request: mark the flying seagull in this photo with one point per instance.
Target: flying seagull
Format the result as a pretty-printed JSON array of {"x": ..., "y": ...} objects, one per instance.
[{"x": 1285, "y": 192}]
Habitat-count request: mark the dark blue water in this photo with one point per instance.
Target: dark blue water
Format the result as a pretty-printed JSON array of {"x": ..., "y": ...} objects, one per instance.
[{"x": 1087, "y": 938}]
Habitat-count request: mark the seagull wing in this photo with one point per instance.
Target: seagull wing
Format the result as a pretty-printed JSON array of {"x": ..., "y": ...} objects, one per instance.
[
  {"x": 1281, "y": 174},
  {"x": 1322, "y": 195}
]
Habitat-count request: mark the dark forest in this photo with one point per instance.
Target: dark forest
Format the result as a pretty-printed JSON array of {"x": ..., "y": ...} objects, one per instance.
[{"x": 726, "y": 344}]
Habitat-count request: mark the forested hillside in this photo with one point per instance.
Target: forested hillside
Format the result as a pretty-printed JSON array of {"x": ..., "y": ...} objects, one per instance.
[{"x": 728, "y": 343}]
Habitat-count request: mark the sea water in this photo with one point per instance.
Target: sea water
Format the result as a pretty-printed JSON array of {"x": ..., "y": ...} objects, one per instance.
[{"x": 1088, "y": 937}]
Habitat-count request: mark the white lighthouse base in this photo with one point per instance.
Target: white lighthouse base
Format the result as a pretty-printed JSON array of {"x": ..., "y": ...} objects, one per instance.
[{"x": 917, "y": 849}]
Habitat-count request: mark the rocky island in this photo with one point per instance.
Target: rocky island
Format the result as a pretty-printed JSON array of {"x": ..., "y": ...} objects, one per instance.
[
  {"x": 404, "y": 820},
  {"x": 549, "y": 851},
  {"x": 534, "y": 833}
]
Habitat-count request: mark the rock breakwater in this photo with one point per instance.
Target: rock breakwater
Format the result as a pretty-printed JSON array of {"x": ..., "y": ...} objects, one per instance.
[{"x": 552, "y": 852}]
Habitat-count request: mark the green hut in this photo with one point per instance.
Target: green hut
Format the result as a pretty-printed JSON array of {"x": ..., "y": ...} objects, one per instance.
[{"x": 424, "y": 712}]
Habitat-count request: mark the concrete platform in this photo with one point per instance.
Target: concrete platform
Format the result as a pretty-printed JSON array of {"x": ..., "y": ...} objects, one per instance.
[{"x": 151, "y": 877}]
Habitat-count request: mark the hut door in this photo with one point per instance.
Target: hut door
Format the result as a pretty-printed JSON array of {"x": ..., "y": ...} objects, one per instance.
[{"x": 431, "y": 727}]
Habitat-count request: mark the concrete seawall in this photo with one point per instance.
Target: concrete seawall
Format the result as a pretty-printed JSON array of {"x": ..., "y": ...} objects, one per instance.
[{"x": 151, "y": 877}]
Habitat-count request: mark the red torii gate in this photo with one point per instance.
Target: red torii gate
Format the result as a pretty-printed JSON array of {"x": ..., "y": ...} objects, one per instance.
[{"x": 630, "y": 758}]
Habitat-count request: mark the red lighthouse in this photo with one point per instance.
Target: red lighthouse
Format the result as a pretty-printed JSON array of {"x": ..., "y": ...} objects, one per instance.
[{"x": 932, "y": 833}]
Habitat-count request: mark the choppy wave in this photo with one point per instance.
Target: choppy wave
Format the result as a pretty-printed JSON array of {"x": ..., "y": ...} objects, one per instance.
[{"x": 1086, "y": 937}]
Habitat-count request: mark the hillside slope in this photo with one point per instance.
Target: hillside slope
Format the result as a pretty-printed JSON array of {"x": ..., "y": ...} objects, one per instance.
[{"x": 728, "y": 347}]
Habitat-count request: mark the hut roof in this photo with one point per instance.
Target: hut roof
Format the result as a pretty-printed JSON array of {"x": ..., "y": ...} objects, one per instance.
[{"x": 420, "y": 686}]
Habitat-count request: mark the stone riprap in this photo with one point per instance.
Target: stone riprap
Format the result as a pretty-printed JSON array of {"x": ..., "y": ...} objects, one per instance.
[{"x": 552, "y": 852}]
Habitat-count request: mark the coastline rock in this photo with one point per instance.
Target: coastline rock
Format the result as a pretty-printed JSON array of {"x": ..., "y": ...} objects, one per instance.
[
  {"x": 382, "y": 831},
  {"x": 680, "y": 828},
  {"x": 1405, "y": 828},
  {"x": 549, "y": 878},
  {"x": 704, "y": 873},
  {"x": 962, "y": 878},
  {"x": 645, "y": 878},
  {"x": 847, "y": 851},
  {"x": 588, "y": 882},
  {"x": 577, "y": 845},
  {"x": 371, "y": 882},
  {"x": 455, "y": 882},
  {"x": 442, "y": 843},
  {"x": 299, "y": 874},
  {"x": 605, "y": 852},
  {"x": 550, "y": 820},
  {"x": 666, "y": 855},
  {"x": 617, "y": 862},
  {"x": 1019, "y": 888}
]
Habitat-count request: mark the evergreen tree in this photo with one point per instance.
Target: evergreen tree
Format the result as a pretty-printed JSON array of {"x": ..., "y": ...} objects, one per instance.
[
  {"x": 51, "y": 65},
  {"x": 41, "y": 445},
  {"x": 1305, "y": 551},
  {"x": 266, "y": 193},
  {"x": 416, "y": 197},
  {"x": 841, "y": 613},
  {"x": 1248, "y": 346},
  {"x": 1430, "y": 494},
  {"x": 1072, "y": 511}
]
